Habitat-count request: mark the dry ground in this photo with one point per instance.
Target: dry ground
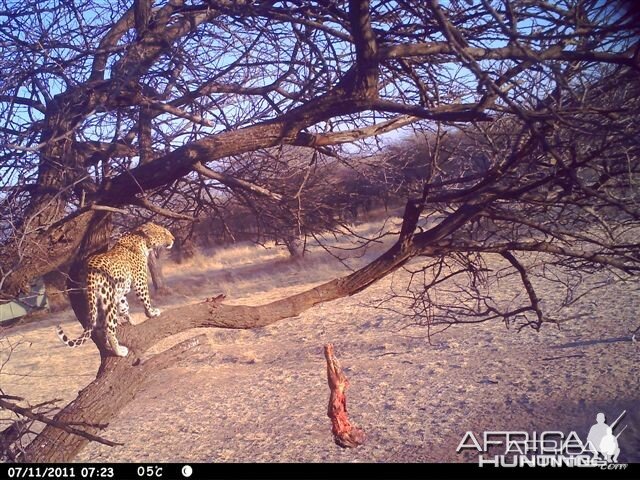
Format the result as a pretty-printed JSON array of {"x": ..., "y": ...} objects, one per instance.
[{"x": 261, "y": 395}]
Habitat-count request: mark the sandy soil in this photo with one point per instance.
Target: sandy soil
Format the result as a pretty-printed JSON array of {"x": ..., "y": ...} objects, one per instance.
[{"x": 261, "y": 395}]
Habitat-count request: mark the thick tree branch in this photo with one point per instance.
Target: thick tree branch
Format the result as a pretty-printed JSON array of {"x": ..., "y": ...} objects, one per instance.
[
  {"x": 336, "y": 138},
  {"x": 168, "y": 108},
  {"x": 285, "y": 129},
  {"x": 511, "y": 52},
  {"x": 95, "y": 151},
  {"x": 29, "y": 102},
  {"x": 447, "y": 113},
  {"x": 109, "y": 41},
  {"x": 364, "y": 39}
]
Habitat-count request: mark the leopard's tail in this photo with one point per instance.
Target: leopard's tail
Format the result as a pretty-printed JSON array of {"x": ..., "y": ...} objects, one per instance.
[
  {"x": 86, "y": 335},
  {"x": 92, "y": 300}
]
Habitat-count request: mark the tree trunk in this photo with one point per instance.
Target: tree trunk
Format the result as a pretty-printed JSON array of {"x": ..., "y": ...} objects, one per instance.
[
  {"x": 55, "y": 286},
  {"x": 95, "y": 240},
  {"x": 155, "y": 269},
  {"x": 45, "y": 245},
  {"x": 44, "y": 252},
  {"x": 294, "y": 246},
  {"x": 182, "y": 250}
]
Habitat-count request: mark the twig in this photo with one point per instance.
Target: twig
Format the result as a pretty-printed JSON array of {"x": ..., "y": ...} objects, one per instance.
[{"x": 105, "y": 208}]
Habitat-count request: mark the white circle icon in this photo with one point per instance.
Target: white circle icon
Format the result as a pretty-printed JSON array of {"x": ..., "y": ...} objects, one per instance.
[{"x": 187, "y": 471}]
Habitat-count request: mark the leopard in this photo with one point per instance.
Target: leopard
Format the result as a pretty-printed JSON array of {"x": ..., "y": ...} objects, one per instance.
[{"x": 110, "y": 276}]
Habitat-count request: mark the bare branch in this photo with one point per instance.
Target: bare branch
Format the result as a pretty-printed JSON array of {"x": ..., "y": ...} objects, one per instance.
[
  {"x": 533, "y": 297},
  {"x": 143, "y": 202},
  {"x": 232, "y": 182},
  {"x": 26, "y": 412}
]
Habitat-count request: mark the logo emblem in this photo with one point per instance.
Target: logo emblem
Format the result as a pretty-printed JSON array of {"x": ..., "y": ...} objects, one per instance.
[
  {"x": 551, "y": 448},
  {"x": 601, "y": 439}
]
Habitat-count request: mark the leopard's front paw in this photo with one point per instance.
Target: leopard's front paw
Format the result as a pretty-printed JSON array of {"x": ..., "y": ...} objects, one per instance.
[
  {"x": 122, "y": 351},
  {"x": 154, "y": 312}
]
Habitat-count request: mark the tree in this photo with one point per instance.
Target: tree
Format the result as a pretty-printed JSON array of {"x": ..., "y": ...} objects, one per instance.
[{"x": 150, "y": 107}]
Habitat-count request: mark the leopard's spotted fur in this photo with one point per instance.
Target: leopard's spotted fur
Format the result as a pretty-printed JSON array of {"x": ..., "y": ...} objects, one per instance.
[{"x": 110, "y": 276}]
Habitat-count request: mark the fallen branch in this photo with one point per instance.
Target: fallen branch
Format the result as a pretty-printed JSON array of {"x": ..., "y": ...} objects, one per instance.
[
  {"x": 28, "y": 413},
  {"x": 10, "y": 437},
  {"x": 344, "y": 434}
]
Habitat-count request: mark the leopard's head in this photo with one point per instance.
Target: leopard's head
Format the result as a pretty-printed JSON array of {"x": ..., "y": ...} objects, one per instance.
[{"x": 156, "y": 236}]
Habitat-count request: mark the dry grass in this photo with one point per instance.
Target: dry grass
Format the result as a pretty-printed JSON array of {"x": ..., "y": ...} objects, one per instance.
[{"x": 260, "y": 274}]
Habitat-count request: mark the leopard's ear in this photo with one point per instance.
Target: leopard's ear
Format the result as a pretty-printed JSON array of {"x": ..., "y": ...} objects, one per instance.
[
  {"x": 146, "y": 228},
  {"x": 145, "y": 231}
]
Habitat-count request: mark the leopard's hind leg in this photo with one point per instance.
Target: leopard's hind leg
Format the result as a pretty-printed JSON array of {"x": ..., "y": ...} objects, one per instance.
[
  {"x": 123, "y": 311},
  {"x": 111, "y": 322},
  {"x": 121, "y": 298}
]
